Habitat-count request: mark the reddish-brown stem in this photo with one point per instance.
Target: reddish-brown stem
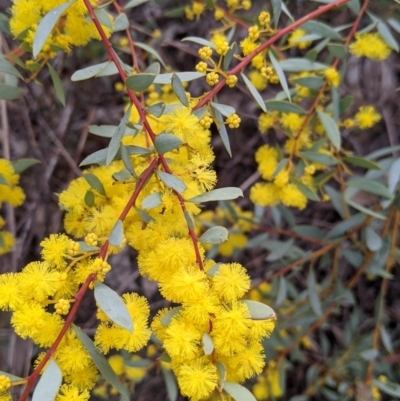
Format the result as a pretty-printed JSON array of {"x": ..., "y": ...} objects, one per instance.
[
  {"x": 265, "y": 45},
  {"x": 143, "y": 119},
  {"x": 35, "y": 374}
]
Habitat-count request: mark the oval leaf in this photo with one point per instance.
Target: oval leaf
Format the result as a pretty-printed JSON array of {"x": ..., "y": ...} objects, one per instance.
[
  {"x": 208, "y": 344},
  {"x": 121, "y": 23},
  {"x": 179, "y": 90},
  {"x": 223, "y": 133},
  {"x": 151, "y": 201},
  {"x": 284, "y": 107},
  {"x": 199, "y": 41},
  {"x": 21, "y": 165},
  {"x": 371, "y": 186},
  {"x": 301, "y": 64},
  {"x": 95, "y": 183},
  {"x": 166, "y": 142},
  {"x": 227, "y": 193},
  {"x": 238, "y": 392},
  {"x": 214, "y": 235},
  {"x": 280, "y": 73},
  {"x": 183, "y": 76},
  {"x": 140, "y": 82},
  {"x": 116, "y": 237},
  {"x": 373, "y": 240},
  {"x": 224, "y": 109},
  {"x": 331, "y": 129},
  {"x": 46, "y": 25},
  {"x": 10, "y": 92},
  {"x": 101, "y": 363},
  {"x": 254, "y": 92},
  {"x": 259, "y": 311},
  {"x": 171, "y": 181},
  {"x": 312, "y": 293},
  {"x": 57, "y": 84},
  {"x": 113, "y": 306},
  {"x": 49, "y": 383}
]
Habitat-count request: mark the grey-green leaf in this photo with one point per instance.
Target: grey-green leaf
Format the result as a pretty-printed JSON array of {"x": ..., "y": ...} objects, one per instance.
[
  {"x": 166, "y": 319},
  {"x": 229, "y": 56},
  {"x": 254, "y": 92},
  {"x": 214, "y": 235},
  {"x": 280, "y": 73},
  {"x": 362, "y": 162},
  {"x": 222, "y": 131},
  {"x": 227, "y": 193},
  {"x": 238, "y": 392},
  {"x": 151, "y": 51},
  {"x": 283, "y": 107},
  {"x": 224, "y": 109},
  {"x": 305, "y": 190},
  {"x": 21, "y": 165},
  {"x": 166, "y": 142},
  {"x": 373, "y": 240},
  {"x": 389, "y": 388},
  {"x": 49, "y": 383},
  {"x": 140, "y": 82},
  {"x": 313, "y": 293},
  {"x": 95, "y": 183},
  {"x": 122, "y": 175},
  {"x": 301, "y": 64},
  {"x": 57, "y": 84},
  {"x": 134, "y": 3},
  {"x": 156, "y": 109},
  {"x": 171, "y": 181},
  {"x": 331, "y": 129},
  {"x": 371, "y": 186},
  {"x": 101, "y": 362},
  {"x": 208, "y": 345},
  {"x": 98, "y": 157},
  {"x": 259, "y": 311},
  {"x": 151, "y": 201},
  {"x": 115, "y": 141},
  {"x": 113, "y": 306},
  {"x": 387, "y": 36},
  {"x": 183, "y": 76},
  {"x": 10, "y": 92},
  {"x": 320, "y": 29},
  {"x": 116, "y": 236},
  {"x": 121, "y": 23},
  {"x": 7, "y": 68},
  {"x": 179, "y": 90},
  {"x": 46, "y": 25},
  {"x": 310, "y": 82},
  {"x": 170, "y": 383},
  {"x": 90, "y": 72},
  {"x": 199, "y": 41}
]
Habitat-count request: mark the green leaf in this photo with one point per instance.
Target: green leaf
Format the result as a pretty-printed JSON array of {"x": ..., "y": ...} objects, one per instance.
[
  {"x": 310, "y": 82},
  {"x": 337, "y": 50},
  {"x": 320, "y": 29},
  {"x": 312, "y": 293},
  {"x": 372, "y": 240},
  {"x": 8, "y": 68},
  {"x": 259, "y": 311},
  {"x": 89, "y": 198},
  {"x": 91, "y": 71},
  {"x": 3, "y": 180},
  {"x": 386, "y": 340},
  {"x": 223, "y": 133},
  {"x": 227, "y": 193},
  {"x": 282, "y": 291},
  {"x": 229, "y": 56},
  {"x": 151, "y": 51},
  {"x": 49, "y": 383},
  {"x": 254, "y": 92},
  {"x": 183, "y": 76},
  {"x": 238, "y": 392},
  {"x": 189, "y": 220},
  {"x": 305, "y": 190},
  {"x": 200, "y": 41},
  {"x": 151, "y": 201},
  {"x": 364, "y": 209},
  {"x": 46, "y": 25},
  {"x": 224, "y": 109},
  {"x": 98, "y": 157},
  {"x": 170, "y": 383},
  {"x": 143, "y": 215},
  {"x": 115, "y": 141},
  {"x": 139, "y": 363},
  {"x": 57, "y": 84},
  {"x": 331, "y": 129},
  {"x": 105, "y": 131},
  {"x": 140, "y": 82},
  {"x": 113, "y": 306},
  {"x": 214, "y": 235},
  {"x": 134, "y": 3},
  {"x": 394, "y": 176},
  {"x": 389, "y": 388},
  {"x": 127, "y": 161},
  {"x": 166, "y": 319},
  {"x": 387, "y": 36},
  {"x": 121, "y": 23},
  {"x": 21, "y": 165},
  {"x": 213, "y": 270},
  {"x": 345, "y": 226},
  {"x": 179, "y": 90},
  {"x": 354, "y": 6},
  {"x": 281, "y": 165},
  {"x": 300, "y": 64},
  {"x": 10, "y": 92},
  {"x": 278, "y": 249},
  {"x": 116, "y": 236},
  {"x": 95, "y": 183},
  {"x": 371, "y": 186},
  {"x": 283, "y": 107},
  {"x": 4, "y": 24},
  {"x": 101, "y": 362},
  {"x": 166, "y": 142},
  {"x": 208, "y": 344},
  {"x": 103, "y": 17},
  {"x": 369, "y": 354},
  {"x": 277, "y": 8},
  {"x": 319, "y": 158},
  {"x": 362, "y": 162},
  {"x": 122, "y": 175},
  {"x": 199, "y": 113},
  {"x": 221, "y": 374},
  {"x": 156, "y": 109},
  {"x": 280, "y": 73},
  {"x": 171, "y": 181}
]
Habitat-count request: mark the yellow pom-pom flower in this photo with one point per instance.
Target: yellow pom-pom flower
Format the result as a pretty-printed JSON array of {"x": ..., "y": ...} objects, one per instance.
[
  {"x": 370, "y": 45},
  {"x": 367, "y": 117}
]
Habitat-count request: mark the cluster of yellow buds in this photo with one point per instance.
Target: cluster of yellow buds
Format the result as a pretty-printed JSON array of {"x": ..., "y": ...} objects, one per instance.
[
  {"x": 233, "y": 121},
  {"x": 206, "y": 122},
  {"x": 201, "y": 67},
  {"x": 91, "y": 239},
  {"x": 212, "y": 78},
  {"x": 267, "y": 72},
  {"x": 254, "y": 33},
  {"x": 5, "y": 383},
  {"x": 205, "y": 52},
  {"x": 62, "y": 307},
  {"x": 101, "y": 266},
  {"x": 73, "y": 248},
  {"x": 264, "y": 18},
  {"x": 231, "y": 80}
]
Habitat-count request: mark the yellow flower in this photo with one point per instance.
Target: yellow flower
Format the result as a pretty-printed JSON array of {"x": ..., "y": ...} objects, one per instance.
[
  {"x": 266, "y": 121},
  {"x": 182, "y": 123},
  {"x": 294, "y": 39},
  {"x": 197, "y": 380},
  {"x": 370, "y": 45},
  {"x": 259, "y": 82},
  {"x": 55, "y": 249},
  {"x": 367, "y": 117},
  {"x": 332, "y": 76},
  {"x": 264, "y": 194},
  {"x": 71, "y": 393}
]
